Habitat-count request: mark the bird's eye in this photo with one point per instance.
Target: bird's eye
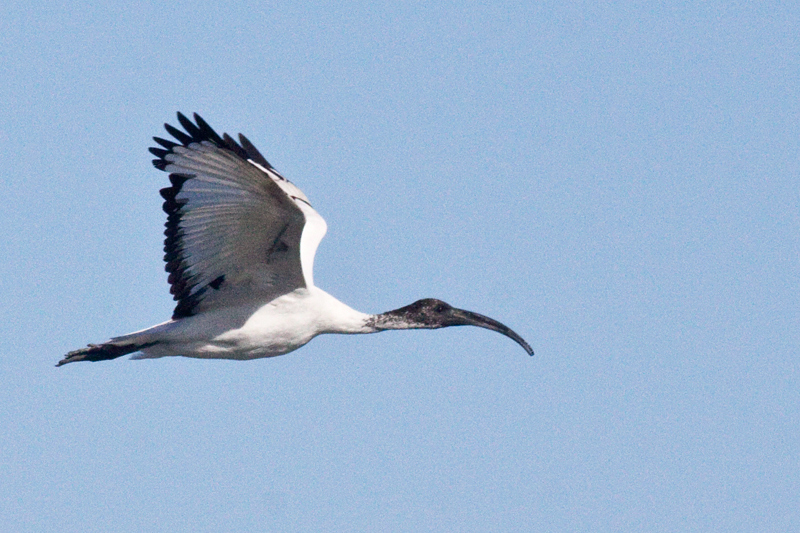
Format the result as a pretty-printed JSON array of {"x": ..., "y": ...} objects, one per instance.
[{"x": 441, "y": 308}]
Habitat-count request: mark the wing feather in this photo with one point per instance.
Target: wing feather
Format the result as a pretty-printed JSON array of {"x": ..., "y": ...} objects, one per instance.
[{"x": 236, "y": 229}]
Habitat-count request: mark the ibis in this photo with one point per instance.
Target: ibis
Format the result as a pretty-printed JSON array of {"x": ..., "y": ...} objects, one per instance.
[{"x": 239, "y": 250}]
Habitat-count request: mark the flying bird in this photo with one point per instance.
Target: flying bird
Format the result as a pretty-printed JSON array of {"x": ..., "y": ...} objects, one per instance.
[{"x": 239, "y": 250}]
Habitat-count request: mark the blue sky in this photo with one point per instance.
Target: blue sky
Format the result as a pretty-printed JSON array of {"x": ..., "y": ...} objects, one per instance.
[{"x": 616, "y": 182}]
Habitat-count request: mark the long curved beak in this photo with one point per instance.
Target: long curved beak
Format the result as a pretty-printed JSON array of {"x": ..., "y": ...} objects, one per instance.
[{"x": 462, "y": 317}]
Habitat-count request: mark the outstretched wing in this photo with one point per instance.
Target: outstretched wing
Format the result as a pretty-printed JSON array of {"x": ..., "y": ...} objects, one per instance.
[{"x": 237, "y": 231}]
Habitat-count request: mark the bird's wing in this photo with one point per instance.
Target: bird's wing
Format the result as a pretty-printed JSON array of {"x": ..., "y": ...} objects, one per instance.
[{"x": 237, "y": 231}]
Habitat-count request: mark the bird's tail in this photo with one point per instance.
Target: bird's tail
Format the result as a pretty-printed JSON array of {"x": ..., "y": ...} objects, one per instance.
[{"x": 102, "y": 352}]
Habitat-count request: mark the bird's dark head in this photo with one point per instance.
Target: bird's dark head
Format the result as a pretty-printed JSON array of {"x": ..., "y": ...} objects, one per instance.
[{"x": 431, "y": 313}]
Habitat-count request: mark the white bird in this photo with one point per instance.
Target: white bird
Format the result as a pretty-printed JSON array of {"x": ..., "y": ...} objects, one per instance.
[{"x": 240, "y": 244}]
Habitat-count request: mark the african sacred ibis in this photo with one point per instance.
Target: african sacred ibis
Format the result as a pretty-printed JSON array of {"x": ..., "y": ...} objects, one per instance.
[{"x": 240, "y": 244}]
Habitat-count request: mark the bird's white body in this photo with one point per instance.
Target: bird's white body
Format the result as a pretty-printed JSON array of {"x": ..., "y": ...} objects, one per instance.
[
  {"x": 281, "y": 326},
  {"x": 240, "y": 246}
]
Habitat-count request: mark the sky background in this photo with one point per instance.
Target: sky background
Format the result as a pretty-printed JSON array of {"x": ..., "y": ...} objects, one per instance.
[{"x": 617, "y": 182}]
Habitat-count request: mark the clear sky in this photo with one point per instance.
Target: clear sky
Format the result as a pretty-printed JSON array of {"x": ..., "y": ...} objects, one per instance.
[{"x": 618, "y": 182}]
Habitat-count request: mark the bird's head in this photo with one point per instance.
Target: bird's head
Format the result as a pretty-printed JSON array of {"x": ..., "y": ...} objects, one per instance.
[{"x": 431, "y": 313}]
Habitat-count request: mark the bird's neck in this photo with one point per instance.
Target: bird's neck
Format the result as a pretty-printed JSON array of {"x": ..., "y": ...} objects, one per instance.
[
  {"x": 336, "y": 317},
  {"x": 386, "y": 321}
]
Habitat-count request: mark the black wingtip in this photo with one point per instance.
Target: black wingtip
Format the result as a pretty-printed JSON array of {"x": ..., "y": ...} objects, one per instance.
[
  {"x": 158, "y": 152},
  {"x": 178, "y": 134},
  {"x": 252, "y": 152},
  {"x": 190, "y": 127},
  {"x": 169, "y": 145},
  {"x": 234, "y": 147},
  {"x": 207, "y": 131}
]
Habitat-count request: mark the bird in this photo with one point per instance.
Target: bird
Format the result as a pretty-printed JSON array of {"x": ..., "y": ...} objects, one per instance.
[{"x": 239, "y": 247}]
